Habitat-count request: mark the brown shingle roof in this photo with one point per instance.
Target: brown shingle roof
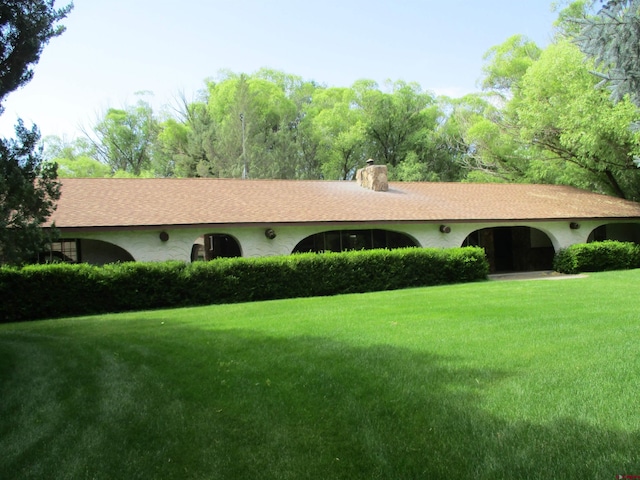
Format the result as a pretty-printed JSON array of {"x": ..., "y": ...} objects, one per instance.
[{"x": 109, "y": 202}]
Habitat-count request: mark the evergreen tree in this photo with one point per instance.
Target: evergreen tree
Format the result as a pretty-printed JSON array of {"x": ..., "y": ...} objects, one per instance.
[
  {"x": 26, "y": 26},
  {"x": 28, "y": 185},
  {"x": 28, "y": 191},
  {"x": 611, "y": 38}
]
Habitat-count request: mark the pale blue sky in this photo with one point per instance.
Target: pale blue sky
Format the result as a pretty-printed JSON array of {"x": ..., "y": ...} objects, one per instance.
[{"x": 114, "y": 48}]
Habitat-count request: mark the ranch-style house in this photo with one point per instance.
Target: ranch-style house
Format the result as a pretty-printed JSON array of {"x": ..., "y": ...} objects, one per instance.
[{"x": 104, "y": 220}]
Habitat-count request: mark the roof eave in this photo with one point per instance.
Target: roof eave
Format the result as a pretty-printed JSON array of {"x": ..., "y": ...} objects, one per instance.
[{"x": 107, "y": 228}]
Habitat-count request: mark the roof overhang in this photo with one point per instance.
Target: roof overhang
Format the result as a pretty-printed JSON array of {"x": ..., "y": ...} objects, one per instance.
[{"x": 341, "y": 223}]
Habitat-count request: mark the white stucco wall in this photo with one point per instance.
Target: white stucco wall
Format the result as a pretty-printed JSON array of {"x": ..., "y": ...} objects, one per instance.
[{"x": 146, "y": 245}]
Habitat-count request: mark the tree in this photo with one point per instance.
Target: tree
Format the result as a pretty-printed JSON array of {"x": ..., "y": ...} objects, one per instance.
[
  {"x": 395, "y": 120},
  {"x": 401, "y": 128},
  {"x": 188, "y": 142},
  {"x": 560, "y": 111},
  {"x": 506, "y": 64},
  {"x": 339, "y": 131},
  {"x": 28, "y": 185},
  {"x": 557, "y": 128},
  {"x": 26, "y": 26},
  {"x": 274, "y": 125},
  {"x": 552, "y": 126},
  {"x": 256, "y": 119},
  {"x": 124, "y": 138},
  {"x": 475, "y": 134},
  {"x": 28, "y": 192},
  {"x": 171, "y": 150},
  {"x": 75, "y": 158},
  {"x": 611, "y": 39}
]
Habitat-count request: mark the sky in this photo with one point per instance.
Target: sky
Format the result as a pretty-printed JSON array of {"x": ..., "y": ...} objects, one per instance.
[{"x": 115, "y": 48}]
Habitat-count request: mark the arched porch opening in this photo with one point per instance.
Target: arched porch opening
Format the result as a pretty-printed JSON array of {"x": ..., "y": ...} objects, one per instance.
[
  {"x": 215, "y": 245},
  {"x": 514, "y": 249},
  {"x": 82, "y": 250},
  {"x": 622, "y": 232},
  {"x": 343, "y": 240}
]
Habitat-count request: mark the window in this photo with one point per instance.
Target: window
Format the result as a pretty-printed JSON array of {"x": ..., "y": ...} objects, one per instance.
[
  {"x": 67, "y": 250},
  {"x": 343, "y": 240}
]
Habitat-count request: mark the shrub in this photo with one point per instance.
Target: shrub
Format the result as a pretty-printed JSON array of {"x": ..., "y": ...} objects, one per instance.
[
  {"x": 597, "y": 257},
  {"x": 49, "y": 291}
]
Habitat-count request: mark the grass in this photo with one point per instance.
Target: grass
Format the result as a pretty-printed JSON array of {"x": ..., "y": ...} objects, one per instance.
[{"x": 523, "y": 379}]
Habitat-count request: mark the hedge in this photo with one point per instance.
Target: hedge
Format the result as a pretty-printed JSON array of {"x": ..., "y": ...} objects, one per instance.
[
  {"x": 57, "y": 290},
  {"x": 597, "y": 257}
]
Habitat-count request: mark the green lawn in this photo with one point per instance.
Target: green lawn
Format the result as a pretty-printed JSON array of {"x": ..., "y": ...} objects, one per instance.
[{"x": 513, "y": 380}]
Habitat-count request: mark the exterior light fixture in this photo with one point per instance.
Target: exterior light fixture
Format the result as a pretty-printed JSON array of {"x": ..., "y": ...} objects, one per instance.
[
  {"x": 574, "y": 225},
  {"x": 270, "y": 233},
  {"x": 164, "y": 236},
  {"x": 445, "y": 228}
]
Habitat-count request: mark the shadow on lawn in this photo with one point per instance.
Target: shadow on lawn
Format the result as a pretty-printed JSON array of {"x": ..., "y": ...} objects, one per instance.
[{"x": 236, "y": 404}]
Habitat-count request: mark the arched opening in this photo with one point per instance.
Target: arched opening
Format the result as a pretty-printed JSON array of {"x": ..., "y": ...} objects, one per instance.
[
  {"x": 622, "y": 232},
  {"x": 215, "y": 245},
  {"x": 514, "y": 249},
  {"x": 343, "y": 240},
  {"x": 81, "y": 250}
]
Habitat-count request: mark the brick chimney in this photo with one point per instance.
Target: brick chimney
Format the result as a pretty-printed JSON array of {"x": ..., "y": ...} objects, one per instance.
[{"x": 373, "y": 177}]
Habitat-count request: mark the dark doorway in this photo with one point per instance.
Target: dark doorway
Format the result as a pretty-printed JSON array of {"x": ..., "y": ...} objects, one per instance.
[
  {"x": 215, "y": 245},
  {"x": 514, "y": 249},
  {"x": 503, "y": 248}
]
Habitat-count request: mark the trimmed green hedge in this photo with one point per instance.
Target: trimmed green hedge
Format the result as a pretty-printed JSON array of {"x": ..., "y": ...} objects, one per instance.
[
  {"x": 49, "y": 291},
  {"x": 597, "y": 257}
]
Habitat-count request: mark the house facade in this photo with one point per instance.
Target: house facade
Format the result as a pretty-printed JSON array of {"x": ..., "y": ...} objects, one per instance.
[{"x": 519, "y": 226}]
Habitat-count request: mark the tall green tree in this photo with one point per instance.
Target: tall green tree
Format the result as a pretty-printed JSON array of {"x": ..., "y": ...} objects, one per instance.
[
  {"x": 401, "y": 128},
  {"x": 561, "y": 112},
  {"x": 475, "y": 134},
  {"x": 488, "y": 125},
  {"x": 339, "y": 131},
  {"x": 396, "y": 119},
  {"x": 191, "y": 141},
  {"x": 28, "y": 185},
  {"x": 257, "y": 121},
  {"x": 506, "y": 64},
  {"x": 75, "y": 158},
  {"x": 171, "y": 151},
  {"x": 554, "y": 126},
  {"x": 124, "y": 138},
  {"x": 232, "y": 113}
]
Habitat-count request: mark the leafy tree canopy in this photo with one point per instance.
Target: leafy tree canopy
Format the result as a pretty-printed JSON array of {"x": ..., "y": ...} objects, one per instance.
[
  {"x": 505, "y": 64},
  {"x": 552, "y": 125},
  {"x": 560, "y": 111},
  {"x": 124, "y": 139}
]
